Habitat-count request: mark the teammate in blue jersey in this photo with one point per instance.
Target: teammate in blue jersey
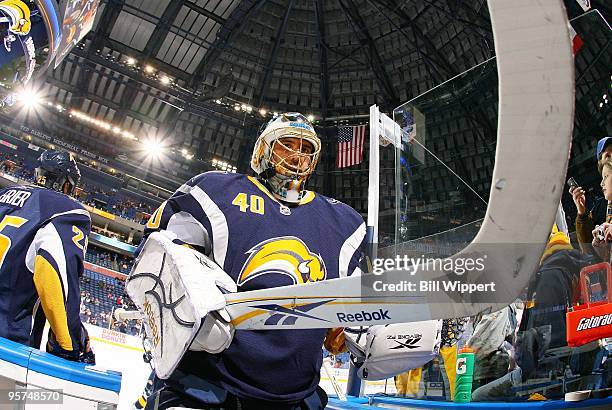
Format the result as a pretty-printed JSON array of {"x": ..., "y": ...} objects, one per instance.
[
  {"x": 264, "y": 231},
  {"x": 43, "y": 238}
]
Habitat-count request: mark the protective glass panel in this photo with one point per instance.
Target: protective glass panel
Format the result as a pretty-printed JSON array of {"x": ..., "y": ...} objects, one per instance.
[{"x": 443, "y": 170}]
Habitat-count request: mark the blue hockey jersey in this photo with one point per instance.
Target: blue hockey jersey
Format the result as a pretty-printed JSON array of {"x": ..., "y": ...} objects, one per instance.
[
  {"x": 262, "y": 243},
  {"x": 43, "y": 238}
]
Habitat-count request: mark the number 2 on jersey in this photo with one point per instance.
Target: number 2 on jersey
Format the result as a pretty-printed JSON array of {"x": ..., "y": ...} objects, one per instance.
[
  {"x": 255, "y": 204},
  {"x": 78, "y": 237}
]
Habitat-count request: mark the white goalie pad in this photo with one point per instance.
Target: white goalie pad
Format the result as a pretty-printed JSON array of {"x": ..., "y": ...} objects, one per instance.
[
  {"x": 176, "y": 288},
  {"x": 388, "y": 350}
]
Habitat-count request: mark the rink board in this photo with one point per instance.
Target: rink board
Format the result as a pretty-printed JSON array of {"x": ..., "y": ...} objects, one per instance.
[
  {"x": 81, "y": 386},
  {"x": 358, "y": 403}
]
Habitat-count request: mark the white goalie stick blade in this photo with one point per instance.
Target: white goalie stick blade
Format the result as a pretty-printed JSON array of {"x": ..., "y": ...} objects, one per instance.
[
  {"x": 536, "y": 106},
  {"x": 330, "y": 303},
  {"x": 122, "y": 314}
]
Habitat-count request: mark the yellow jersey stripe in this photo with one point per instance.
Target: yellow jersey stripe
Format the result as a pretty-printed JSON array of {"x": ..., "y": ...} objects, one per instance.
[{"x": 49, "y": 289}]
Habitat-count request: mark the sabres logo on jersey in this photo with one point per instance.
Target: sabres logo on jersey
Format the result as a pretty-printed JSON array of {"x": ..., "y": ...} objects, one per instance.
[
  {"x": 286, "y": 255},
  {"x": 17, "y": 13}
]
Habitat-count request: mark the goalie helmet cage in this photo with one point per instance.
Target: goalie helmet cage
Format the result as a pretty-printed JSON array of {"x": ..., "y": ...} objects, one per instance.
[{"x": 508, "y": 39}]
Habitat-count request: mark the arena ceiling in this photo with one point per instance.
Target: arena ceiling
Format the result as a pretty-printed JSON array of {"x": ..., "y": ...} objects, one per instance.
[{"x": 196, "y": 74}]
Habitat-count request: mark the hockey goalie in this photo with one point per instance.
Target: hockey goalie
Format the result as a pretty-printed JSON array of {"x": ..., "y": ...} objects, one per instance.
[{"x": 222, "y": 232}]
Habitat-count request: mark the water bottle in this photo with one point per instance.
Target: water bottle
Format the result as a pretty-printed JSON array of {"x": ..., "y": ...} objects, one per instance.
[{"x": 465, "y": 375}]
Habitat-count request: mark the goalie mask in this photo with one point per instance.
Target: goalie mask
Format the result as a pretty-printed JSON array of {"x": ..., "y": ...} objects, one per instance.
[
  {"x": 286, "y": 154},
  {"x": 57, "y": 170}
]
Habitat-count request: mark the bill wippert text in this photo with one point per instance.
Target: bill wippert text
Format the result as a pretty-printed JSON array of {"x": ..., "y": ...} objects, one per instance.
[{"x": 448, "y": 286}]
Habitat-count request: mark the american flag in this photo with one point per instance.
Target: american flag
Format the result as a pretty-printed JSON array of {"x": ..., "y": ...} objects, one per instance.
[{"x": 350, "y": 145}]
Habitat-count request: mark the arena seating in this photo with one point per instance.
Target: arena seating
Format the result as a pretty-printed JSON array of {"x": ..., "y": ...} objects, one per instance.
[
  {"x": 101, "y": 294},
  {"x": 99, "y": 189},
  {"x": 108, "y": 260}
]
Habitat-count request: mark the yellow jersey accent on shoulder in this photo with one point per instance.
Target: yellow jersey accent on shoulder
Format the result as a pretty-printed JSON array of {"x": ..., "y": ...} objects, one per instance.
[
  {"x": 308, "y": 197},
  {"x": 261, "y": 188},
  {"x": 155, "y": 219},
  {"x": 286, "y": 255}
]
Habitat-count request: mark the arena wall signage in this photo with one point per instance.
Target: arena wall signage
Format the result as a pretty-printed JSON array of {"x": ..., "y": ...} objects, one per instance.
[
  {"x": 63, "y": 144},
  {"x": 8, "y": 144}
]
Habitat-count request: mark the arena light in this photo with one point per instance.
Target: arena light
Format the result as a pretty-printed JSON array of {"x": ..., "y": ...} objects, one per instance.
[
  {"x": 153, "y": 147},
  {"x": 99, "y": 123},
  {"x": 165, "y": 80},
  {"x": 311, "y": 117},
  {"x": 130, "y": 61},
  {"x": 29, "y": 98},
  {"x": 149, "y": 69},
  {"x": 263, "y": 112}
]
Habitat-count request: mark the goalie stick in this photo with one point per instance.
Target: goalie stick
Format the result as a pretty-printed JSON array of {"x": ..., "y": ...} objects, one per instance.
[{"x": 536, "y": 102}]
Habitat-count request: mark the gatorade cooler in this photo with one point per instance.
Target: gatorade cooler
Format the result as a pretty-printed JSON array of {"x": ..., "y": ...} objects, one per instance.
[
  {"x": 592, "y": 319},
  {"x": 465, "y": 375}
]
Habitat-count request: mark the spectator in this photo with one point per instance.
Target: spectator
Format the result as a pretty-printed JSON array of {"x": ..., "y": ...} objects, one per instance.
[
  {"x": 542, "y": 325},
  {"x": 586, "y": 222},
  {"x": 601, "y": 243}
]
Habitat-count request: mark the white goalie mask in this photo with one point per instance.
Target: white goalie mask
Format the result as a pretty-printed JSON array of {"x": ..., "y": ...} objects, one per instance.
[{"x": 286, "y": 154}]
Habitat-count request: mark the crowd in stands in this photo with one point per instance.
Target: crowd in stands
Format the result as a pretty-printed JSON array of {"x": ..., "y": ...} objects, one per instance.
[
  {"x": 100, "y": 296},
  {"x": 15, "y": 165},
  {"x": 121, "y": 237},
  {"x": 110, "y": 200},
  {"x": 106, "y": 199},
  {"x": 109, "y": 260}
]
